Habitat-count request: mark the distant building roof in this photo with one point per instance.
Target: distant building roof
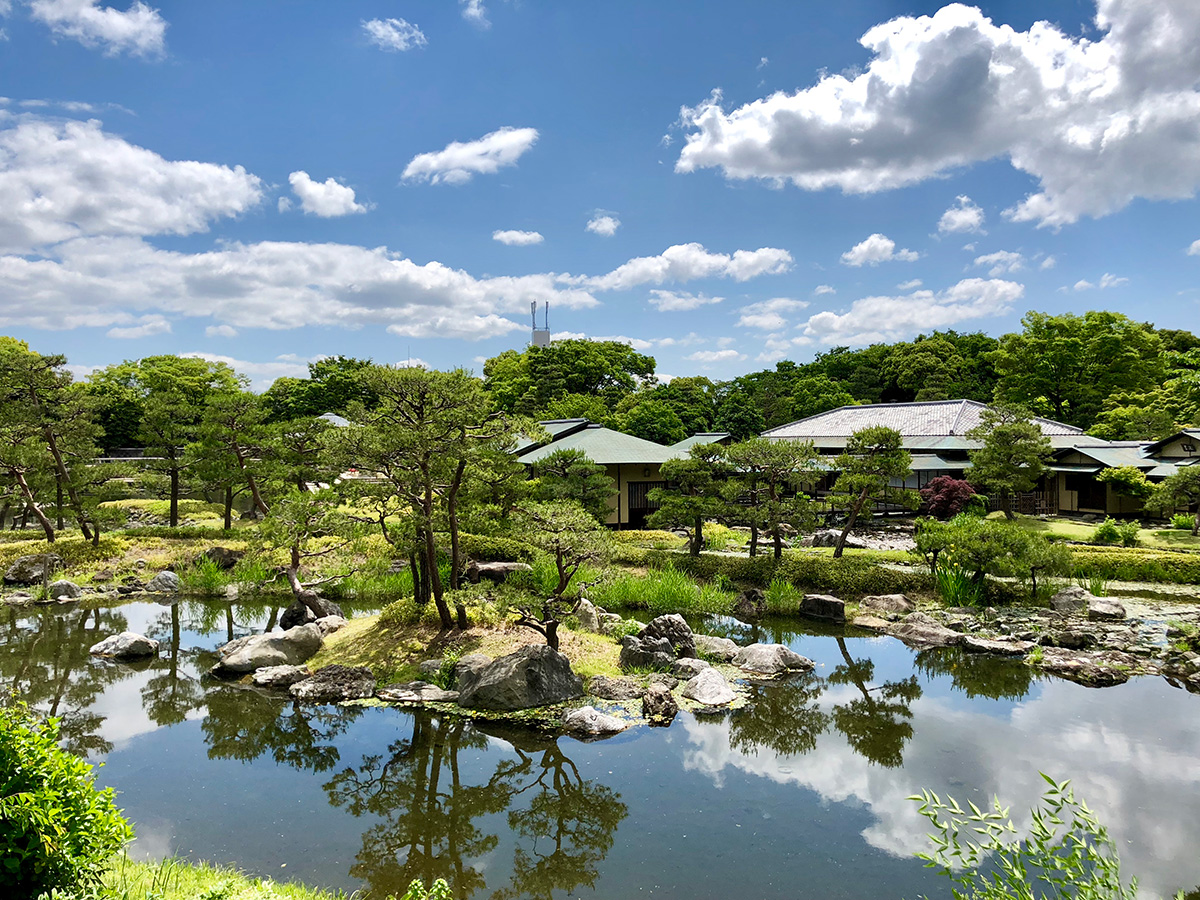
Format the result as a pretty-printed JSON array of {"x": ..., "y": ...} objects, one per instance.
[
  {"x": 703, "y": 437},
  {"x": 1152, "y": 449},
  {"x": 1114, "y": 455},
  {"x": 335, "y": 419},
  {"x": 601, "y": 445},
  {"x": 555, "y": 428}
]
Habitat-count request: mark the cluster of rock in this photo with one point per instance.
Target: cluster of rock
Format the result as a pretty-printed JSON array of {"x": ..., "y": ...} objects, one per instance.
[{"x": 881, "y": 540}]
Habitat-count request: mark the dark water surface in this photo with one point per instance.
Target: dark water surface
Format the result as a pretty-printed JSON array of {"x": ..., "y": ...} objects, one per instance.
[{"x": 800, "y": 795}]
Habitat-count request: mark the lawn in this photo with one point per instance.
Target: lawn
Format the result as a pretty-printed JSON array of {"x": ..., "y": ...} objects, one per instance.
[{"x": 1074, "y": 530}]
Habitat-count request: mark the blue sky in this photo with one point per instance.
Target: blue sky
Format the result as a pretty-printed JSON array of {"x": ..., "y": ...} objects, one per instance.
[{"x": 722, "y": 185}]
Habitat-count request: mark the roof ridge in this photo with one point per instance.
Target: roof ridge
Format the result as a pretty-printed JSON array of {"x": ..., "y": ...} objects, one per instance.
[{"x": 962, "y": 408}]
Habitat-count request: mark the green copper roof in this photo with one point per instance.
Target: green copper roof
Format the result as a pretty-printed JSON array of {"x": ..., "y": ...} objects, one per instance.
[{"x": 604, "y": 446}]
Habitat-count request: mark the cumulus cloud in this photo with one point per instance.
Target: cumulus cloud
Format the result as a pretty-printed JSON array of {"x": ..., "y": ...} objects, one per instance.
[
  {"x": 1194, "y": 248},
  {"x": 395, "y": 35},
  {"x": 147, "y": 327},
  {"x": 603, "y": 224},
  {"x": 138, "y": 31},
  {"x": 909, "y": 285},
  {"x": 62, "y": 180},
  {"x": 1001, "y": 261},
  {"x": 476, "y": 13},
  {"x": 261, "y": 374},
  {"x": 822, "y": 289},
  {"x": 1048, "y": 263},
  {"x": 517, "y": 238},
  {"x": 876, "y": 249},
  {"x": 966, "y": 217},
  {"x": 226, "y": 331},
  {"x": 678, "y": 301},
  {"x": 1107, "y": 280},
  {"x": 888, "y": 319},
  {"x": 1096, "y": 122},
  {"x": 326, "y": 199},
  {"x": 685, "y": 262},
  {"x": 459, "y": 162},
  {"x": 770, "y": 315},
  {"x": 715, "y": 356}
]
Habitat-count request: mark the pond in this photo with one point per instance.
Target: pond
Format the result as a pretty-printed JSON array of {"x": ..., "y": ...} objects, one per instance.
[{"x": 803, "y": 793}]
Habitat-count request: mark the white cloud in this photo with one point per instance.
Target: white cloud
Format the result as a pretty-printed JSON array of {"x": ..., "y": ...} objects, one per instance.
[
  {"x": 963, "y": 218},
  {"x": 1048, "y": 263},
  {"x": 604, "y": 225},
  {"x": 148, "y": 327},
  {"x": 638, "y": 344},
  {"x": 284, "y": 204},
  {"x": 770, "y": 315},
  {"x": 326, "y": 199},
  {"x": 261, "y": 374},
  {"x": 413, "y": 362},
  {"x": 1083, "y": 285},
  {"x": 888, "y": 319},
  {"x": 394, "y": 34},
  {"x": 1194, "y": 248},
  {"x": 220, "y": 331},
  {"x": 1096, "y": 122},
  {"x": 517, "y": 238},
  {"x": 876, "y": 249},
  {"x": 1107, "y": 280},
  {"x": 762, "y": 63},
  {"x": 715, "y": 356},
  {"x": 909, "y": 285},
  {"x": 688, "y": 340},
  {"x": 822, "y": 289},
  {"x": 684, "y": 262},
  {"x": 459, "y": 162},
  {"x": 476, "y": 13},
  {"x": 1001, "y": 261},
  {"x": 61, "y": 180},
  {"x": 678, "y": 301},
  {"x": 5, "y": 7},
  {"x": 139, "y": 31}
]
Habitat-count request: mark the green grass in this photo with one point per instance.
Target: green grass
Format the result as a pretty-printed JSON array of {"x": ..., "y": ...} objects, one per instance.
[
  {"x": 175, "y": 879},
  {"x": 1072, "y": 530},
  {"x": 665, "y": 590}
]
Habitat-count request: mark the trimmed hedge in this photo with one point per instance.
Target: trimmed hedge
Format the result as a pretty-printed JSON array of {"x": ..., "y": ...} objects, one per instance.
[
  {"x": 1126, "y": 564},
  {"x": 484, "y": 548}
]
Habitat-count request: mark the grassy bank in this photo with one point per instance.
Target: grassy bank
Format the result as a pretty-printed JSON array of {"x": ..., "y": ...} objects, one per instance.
[{"x": 179, "y": 880}]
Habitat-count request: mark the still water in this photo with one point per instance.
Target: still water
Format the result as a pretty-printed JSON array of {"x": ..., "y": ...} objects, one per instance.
[{"x": 801, "y": 794}]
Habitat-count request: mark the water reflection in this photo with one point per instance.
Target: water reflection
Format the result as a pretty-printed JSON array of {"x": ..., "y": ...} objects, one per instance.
[
  {"x": 876, "y": 724},
  {"x": 977, "y": 675}
]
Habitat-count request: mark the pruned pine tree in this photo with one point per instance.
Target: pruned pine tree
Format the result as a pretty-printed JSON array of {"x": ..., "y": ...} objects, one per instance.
[
  {"x": 694, "y": 493},
  {"x": 1013, "y": 456},
  {"x": 767, "y": 485},
  {"x": 873, "y": 460}
]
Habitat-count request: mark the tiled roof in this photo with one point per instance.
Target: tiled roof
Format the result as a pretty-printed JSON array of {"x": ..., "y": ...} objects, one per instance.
[
  {"x": 602, "y": 445},
  {"x": 704, "y": 437},
  {"x": 941, "y": 418}
]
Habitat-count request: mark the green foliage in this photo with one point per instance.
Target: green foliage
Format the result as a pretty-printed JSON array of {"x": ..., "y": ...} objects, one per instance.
[
  {"x": 739, "y": 415},
  {"x": 57, "y": 830},
  {"x": 204, "y": 576},
  {"x": 1014, "y": 452},
  {"x": 439, "y": 890},
  {"x": 1110, "y": 531},
  {"x": 972, "y": 548},
  {"x": 527, "y": 382},
  {"x": 1181, "y": 522},
  {"x": 661, "y": 591},
  {"x": 1129, "y": 481},
  {"x": 1121, "y": 564},
  {"x": 781, "y": 596},
  {"x": 817, "y": 394},
  {"x": 484, "y": 548},
  {"x": 693, "y": 495},
  {"x": 956, "y": 587},
  {"x": 1096, "y": 585},
  {"x": 653, "y": 420},
  {"x": 1066, "y": 854},
  {"x": 848, "y": 577},
  {"x": 568, "y": 535},
  {"x": 1181, "y": 489},
  {"x": 570, "y": 475},
  {"x": 873, "y": 459}
]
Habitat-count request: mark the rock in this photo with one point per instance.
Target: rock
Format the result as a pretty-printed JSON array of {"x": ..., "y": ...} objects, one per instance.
[
  {"x": 430, "y": 668},
  {"x": 587, "y": 720},
  {"x": 279, "y": 677},
  {"x": 126, "y": 645},
  {"x": 750, "y": 604},
  {"x": 60, "y": 589},
  {"x": 472, "y": 662},
  {"x": 887, "y": 603},
  {"x": 32, "y": 569},
  {"x": 1068, "y": 639},
  {"x": 614, "y": 688},
  {"x": 823, "y": 606},
  {"x": 973, "y": 644},
  {"x": 163, "y": 583},
  {"x": 1073, "y": 599},
  {"x": 659, "y": 704},
  {"x": 257, "y": 651},
  {"x": 588, "y": 615},
  {"x": 716, "y": 647},
  {"x": 667, "y": 680},
  {"x": 224, "y": 557},
  {"x": 533, "y": 676},
  {"x": 828, "y": 537},
  {"x": 871, "y": 623},
  {"x": 299, "y": 613},
  {"x": 19, "y": 598},
  {"x": 709, "y": 688},
  {"x": 496, "y": 572},
  {"x": 672, "y": 628},
  {"x": 335, "y": 683},
  {"x": 608, "y": 621},
  {"x": 770, "y": 659},
  {"x": 688, "y": 667},
  {"x": 921, "y": 630},
  {"x": 1094, "y": 669},
  {"x": 416, "y": 692},
  {"x": 140, "y": 564},
  {"x": 330, "y": 624},
  {"x": 637, "y": 653},
  {"x": 1103, "y": 610}
]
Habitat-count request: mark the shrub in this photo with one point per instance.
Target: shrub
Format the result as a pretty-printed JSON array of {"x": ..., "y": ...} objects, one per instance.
[
  {"x": 945, "y": 497},
  {"x": 1107, "y": 532},
  {"x": 653, "y": 539},
  {"x": 1128, "y": 533},
  {"x": 493, "y": 549},
  {"x": 956, "y": 586},
  {"x": 57, "y": 830},
  {"x": 203, "y": 576},
  {"x": 1120, "y": 564},
  {"x": 1181, "y": 522}
]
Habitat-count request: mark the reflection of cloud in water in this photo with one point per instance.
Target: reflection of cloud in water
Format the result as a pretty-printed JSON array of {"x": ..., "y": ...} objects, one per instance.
[
  {"x": 155, "y": 840},
  {"x": 1130, "y": 752},
  {"x": 120, "y": 704}
]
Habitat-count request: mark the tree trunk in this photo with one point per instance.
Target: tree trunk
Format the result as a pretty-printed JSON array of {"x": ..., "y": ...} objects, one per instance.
[
  {"x": 754, "y": 540},
  {"x": 174, "y": 515},
  {"x": 58, "y": 497},
  {"x": 452, "y": 513},
  {"x": 854, "y": 511},
  {"x": 435, "y": 576},
  {"x": 60, "y": 469},
  {"x": 31, "y": 505},
  {"x": 697, "y": 537},
  {"x": 552, "y": 634},
  {"x": 777, "y": 539},
  {"x": 1007, "y": 503},
  {"x": 1196, "y": 523},
  {"x": 305, "y": 596},
  {"x": 228, "y": 507},
  {"x": 254, "y": 492}
]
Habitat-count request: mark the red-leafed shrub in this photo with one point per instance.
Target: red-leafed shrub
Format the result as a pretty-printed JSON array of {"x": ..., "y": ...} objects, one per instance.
[{"x": 946, "y": 497}]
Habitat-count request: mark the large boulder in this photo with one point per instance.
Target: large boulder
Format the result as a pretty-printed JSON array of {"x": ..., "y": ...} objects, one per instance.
[
  {"x": 659, "y": 705},
  {"x": 1100, "y": 609},
  {"x": 279, "y": 678},
  {"x": 126, "y": 645},
  {"x": 1093, "y": 669},
  {"x": 32, "y": 569},
  {"x": 688, "y": 666},
  {"x": 496, "y": 572},
  {"x": 470, "y": 663},
  {"x": 672, "y": 628},
  {"x": 652, "y": 653},
  {"x": 588, "y": 720},
  {"x": 750, "y": 604},
  {"x": 63, "y": 590},
  {"x": 886, "y": 604},
  {"x": 588, "y": 615},
  {"x": 533, "y": 676},
  {"x": 1073, "y": 599},
  {"x": 300, "y": 614},
  {"x": 257, "y": 651},
  {"x": 709, "y": 688},
  {"x": 828, "y": 537},
  {"x": 924, "y": 631},
  {"x": 163, "y": 583},
  {"x": 771, "y": 659},
  {"x": 224, "y": 557},
  {"x": 334, "y": 684},
  {"x": 973, "y": 644},
  {"x": 824, "y": 607},
  {"x": 716, "y": 647},
  {"x": 614, "y": 688},
  {"x": 330, "y": 624}
]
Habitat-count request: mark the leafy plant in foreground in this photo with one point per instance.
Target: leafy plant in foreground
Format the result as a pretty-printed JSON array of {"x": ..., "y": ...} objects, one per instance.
[
  {"x": 1066, "y": 854},
  {"x": 439, "y": 890}
]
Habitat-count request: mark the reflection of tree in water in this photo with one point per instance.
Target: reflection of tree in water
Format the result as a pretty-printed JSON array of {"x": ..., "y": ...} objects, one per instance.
[
  {"x": 876, "y": 724},
  {"x": 170, "y": 695},
  {"x": 46, "y": 661},
  {"x": 978, "y": 675},
  {"x": 782, "y": 716},
  {"x": 427, "y": 813}
]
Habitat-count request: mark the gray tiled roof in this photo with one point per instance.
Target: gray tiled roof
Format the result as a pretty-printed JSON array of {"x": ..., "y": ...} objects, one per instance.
[{"x": 941, "y": 418}]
